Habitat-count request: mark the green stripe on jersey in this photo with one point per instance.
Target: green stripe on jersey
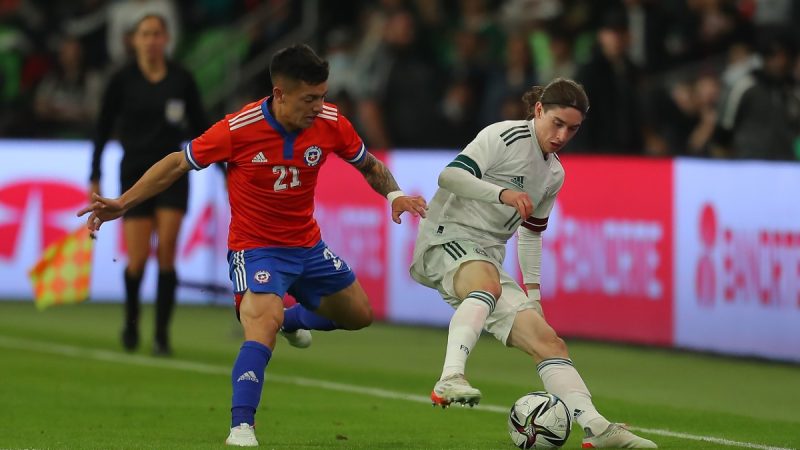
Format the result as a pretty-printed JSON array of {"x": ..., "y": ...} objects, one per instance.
[{"x": 466, "y": 163}]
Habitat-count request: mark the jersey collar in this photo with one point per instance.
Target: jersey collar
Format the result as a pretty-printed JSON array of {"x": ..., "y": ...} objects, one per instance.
[
  {"x": 288, "y": 136},
  {"x": 273, "y": 122}
]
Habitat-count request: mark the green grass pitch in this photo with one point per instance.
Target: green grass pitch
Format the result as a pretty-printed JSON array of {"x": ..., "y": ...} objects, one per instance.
[{"x": 65, "y": 383}]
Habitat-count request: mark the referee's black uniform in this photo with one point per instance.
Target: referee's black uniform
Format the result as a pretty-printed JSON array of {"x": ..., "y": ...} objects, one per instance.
[{"x": 151, "y": 119}]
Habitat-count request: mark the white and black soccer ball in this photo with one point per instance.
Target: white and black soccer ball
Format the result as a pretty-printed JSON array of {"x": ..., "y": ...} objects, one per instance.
[{"x": 539, "y": 420}]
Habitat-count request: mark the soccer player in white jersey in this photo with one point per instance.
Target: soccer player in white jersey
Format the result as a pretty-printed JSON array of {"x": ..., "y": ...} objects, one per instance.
[{"x": 506, "y": 180}]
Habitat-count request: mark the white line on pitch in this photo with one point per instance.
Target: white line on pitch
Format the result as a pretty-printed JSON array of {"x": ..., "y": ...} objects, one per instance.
[{"x": 197, "y": 367}]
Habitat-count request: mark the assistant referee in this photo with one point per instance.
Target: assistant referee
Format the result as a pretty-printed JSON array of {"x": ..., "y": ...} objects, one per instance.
[{"x": 149, "y": 103}]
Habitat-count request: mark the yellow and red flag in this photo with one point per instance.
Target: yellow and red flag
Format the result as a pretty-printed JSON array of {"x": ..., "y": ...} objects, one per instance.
[{"x": 63, "y": 274}]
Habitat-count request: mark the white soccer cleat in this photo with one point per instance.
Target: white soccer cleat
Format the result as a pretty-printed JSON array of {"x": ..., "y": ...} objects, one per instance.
[
  {"x": 299, "y": 338},
  {"x": 454, "y": 389},
  {"x": 616, "y": 435},
  {"x": 242, "y": 436}
]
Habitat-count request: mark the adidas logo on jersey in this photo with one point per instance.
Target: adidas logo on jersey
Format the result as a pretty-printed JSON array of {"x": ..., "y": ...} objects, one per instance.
[
  {"x": 248, "y": 376},
  {"x": 518, "y": 181},
  {"x": 259, "y": 158}
]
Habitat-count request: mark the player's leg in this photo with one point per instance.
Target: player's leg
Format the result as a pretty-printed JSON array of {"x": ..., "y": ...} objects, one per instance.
[
  {"x": 261, "y": 315},
  {"x": 168, "y": 224},
  {"x": 477, "y": 284},
  {"x": 137, "y": 229},
  {"x": 470, "y": 281},
  {"x": 534, "y": 336},
  {"x": 328, "y": 294},
  {"x": 347, "y": 309},
  {"x": 260, "y": 277}
]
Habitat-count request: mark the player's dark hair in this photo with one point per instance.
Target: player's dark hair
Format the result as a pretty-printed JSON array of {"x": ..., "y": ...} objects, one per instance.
[
  {"x": 158, "y": 17},
  {"x": 299, "y": 62},
  {"x": 559, "y": 92}
]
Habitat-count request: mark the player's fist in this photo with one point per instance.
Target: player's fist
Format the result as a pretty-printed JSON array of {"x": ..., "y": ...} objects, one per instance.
[
  {"x": 519, "y": 201},
  {"x": 414, "y": 204}
]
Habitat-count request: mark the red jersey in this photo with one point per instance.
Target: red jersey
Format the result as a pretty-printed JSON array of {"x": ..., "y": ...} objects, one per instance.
[{"x": 272, "y": 173}]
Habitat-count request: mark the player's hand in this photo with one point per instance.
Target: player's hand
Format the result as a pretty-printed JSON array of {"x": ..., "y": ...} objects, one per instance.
[
  {"x": 102, "y": 209},
  {"x": 414, "y": 204},
  {"x": 519, "y": 201}
]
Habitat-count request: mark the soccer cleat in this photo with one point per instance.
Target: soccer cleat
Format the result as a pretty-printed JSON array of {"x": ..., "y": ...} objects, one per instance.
[
  {"x": 242, "y": 436},
  {"x": 299, "y": 338},
  {"x": 616, "y": 435},
  {"x": 130, "y": 338},
  {"x": 161, "y": 348},
  {"x": 454, "y": 389}
]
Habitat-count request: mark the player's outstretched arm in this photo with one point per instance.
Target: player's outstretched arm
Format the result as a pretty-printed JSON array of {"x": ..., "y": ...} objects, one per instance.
[
  {"x": 157, "y": 178},
  {"x": 383, "y": 182}
]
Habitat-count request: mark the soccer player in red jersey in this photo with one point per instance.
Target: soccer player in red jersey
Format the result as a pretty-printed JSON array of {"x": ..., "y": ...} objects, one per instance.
[{"x": 274, "y": 149}]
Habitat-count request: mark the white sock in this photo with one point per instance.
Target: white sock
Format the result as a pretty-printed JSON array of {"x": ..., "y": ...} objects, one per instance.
[
  {"x": 561, "y": 378},
  {"x": 465, "y": 329}
]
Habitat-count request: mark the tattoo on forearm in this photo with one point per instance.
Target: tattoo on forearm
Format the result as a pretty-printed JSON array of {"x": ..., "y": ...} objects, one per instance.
[{"x": 377, "y": 175}]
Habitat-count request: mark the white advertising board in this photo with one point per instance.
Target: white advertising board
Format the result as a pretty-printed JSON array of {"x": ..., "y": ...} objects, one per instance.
[
  {"x": 737, "y": 258},
  {"x": 44, "y": 183}
]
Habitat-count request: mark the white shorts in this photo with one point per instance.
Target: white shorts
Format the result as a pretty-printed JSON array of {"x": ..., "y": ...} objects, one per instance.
[{"x": 437, "y": 266}]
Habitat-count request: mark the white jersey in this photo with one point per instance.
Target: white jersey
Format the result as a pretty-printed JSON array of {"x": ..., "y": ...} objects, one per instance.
[{"x": 505, "y": 154}]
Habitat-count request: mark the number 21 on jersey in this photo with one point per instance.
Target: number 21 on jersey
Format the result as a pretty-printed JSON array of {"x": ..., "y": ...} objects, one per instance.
[{"x": 282, "y": 172}]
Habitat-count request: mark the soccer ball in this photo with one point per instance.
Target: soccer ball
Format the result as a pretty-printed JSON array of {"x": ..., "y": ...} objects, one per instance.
[{"x": 539, "y": 420}]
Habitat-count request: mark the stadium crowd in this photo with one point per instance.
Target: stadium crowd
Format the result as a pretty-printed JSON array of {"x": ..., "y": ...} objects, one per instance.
[{"x": 706, "y": 78}]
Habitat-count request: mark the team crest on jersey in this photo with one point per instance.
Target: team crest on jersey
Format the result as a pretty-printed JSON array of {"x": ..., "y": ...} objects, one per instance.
[
  {"x": 481, "y": 251},
  {"x": 262, "y": 276},
  {"x": 313, "y": 155}
]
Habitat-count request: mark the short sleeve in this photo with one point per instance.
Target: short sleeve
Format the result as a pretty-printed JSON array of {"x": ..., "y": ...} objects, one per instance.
[
  {"x": 478, "y": 156},
  {"x": 352, "y": 149},
  {"x": 212, "y": 146}
]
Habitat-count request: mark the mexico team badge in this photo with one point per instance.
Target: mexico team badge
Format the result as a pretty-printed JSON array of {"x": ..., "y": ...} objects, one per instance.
[
  {"x": 312, "y": 155},
  {"x": 262, "y": 276}
]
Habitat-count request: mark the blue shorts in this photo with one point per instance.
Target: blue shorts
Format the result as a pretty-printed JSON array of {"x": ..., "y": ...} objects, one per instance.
[{"x": 308, "y": 274}]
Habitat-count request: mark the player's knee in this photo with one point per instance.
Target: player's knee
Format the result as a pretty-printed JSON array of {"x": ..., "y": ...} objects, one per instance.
[
  {"x": 361, "y": 318},
  {"x": 552, "y": 346},
  {"x": 495, "y": 289},
  {"x": 260, "y": 319},
  {"x": 135, "y": 267},
  {"x": 486, "y": 285}
]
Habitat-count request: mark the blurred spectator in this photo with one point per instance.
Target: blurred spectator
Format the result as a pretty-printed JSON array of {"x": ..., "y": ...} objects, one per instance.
[
  {"x": 65, "y": 101},
  {"x": 87, "y": 20},
  {"x": 460, "y": 106},
  {"x": 509, "y": 80},
  {"x": 399, "y": 102},
  {"x": 707, "y": 28},
  {"x": 685, "y": 116},
  {"x": 562, "y": 63},
  {"x": 741, "y": 62},
  {"x": 706, "y": 95},
  {"x": 647, "y": 25},
  {"x": 343, "y": 77},
  {"x": 123, "y": 15},
  {"x": 614, "y": 123},
  {"x": 760, "y": 116}
]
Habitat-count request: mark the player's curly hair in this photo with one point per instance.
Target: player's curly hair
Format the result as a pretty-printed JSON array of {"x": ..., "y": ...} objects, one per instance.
[
  {"x": 299, "y": 62},
  {"x": 559, "y": 92}
]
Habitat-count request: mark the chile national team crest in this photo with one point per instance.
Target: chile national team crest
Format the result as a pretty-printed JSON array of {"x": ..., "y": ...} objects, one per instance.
[
  {"x": 261, "y": 277},
  {"x": 313, "y": 155}
]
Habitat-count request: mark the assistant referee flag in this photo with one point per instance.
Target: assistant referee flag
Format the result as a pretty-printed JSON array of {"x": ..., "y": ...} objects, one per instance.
[{"x": 63, "y": 273}]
